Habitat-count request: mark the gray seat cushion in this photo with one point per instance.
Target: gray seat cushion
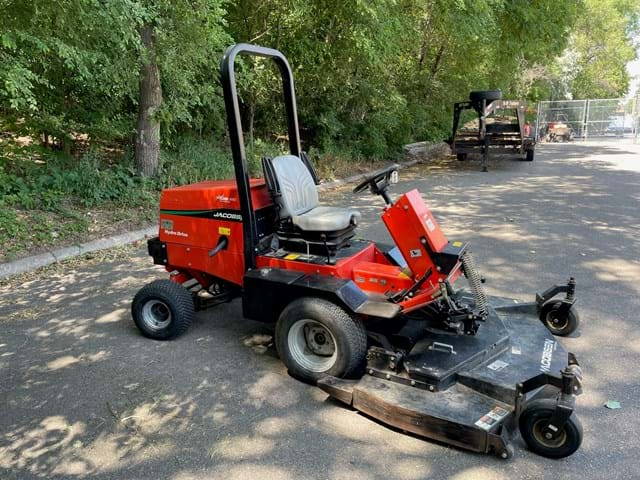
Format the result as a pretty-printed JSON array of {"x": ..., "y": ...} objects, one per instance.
[
  {"x": 298, "y": 193},
  {"x": 326, "y": 219},
  {"x": 298, "y": 199}
]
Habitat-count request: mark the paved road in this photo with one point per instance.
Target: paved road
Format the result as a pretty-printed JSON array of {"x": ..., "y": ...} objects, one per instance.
[{"x": 82, "y": 394}]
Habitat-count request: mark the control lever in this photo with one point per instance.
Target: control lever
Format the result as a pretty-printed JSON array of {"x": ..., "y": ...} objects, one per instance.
[{"x": 223, "y": 242}]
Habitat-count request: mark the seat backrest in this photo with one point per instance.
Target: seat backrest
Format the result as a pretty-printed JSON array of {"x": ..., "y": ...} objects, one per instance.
[{"x": 298, "y": 193}]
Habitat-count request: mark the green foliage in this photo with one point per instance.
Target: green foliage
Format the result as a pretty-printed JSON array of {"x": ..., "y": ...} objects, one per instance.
[
  {"x": 602, "y": 46},
  {"x": 370, "y": 75}
]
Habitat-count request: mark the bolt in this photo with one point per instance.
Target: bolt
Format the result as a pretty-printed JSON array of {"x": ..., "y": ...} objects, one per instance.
[
  {"x": 370, "y": 372},
  {"x": 504, "y": 455},
  {"x": 431, "y": 388},
  {"x": 388, "y": 376},
  {"x": 413, "y": 382},
  {"x": 392, "y": 365},
  {"x": 548, "y": 435}
]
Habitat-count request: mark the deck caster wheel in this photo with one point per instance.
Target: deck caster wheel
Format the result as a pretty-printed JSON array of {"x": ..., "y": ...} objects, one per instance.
[
  {"x": 316, "y": 338},
  {"x": 559, "y": 321},
  {"x": 506, "y": 453},
  {"x": 162, "y": 310},
  {"x": 533, "y": 421}
]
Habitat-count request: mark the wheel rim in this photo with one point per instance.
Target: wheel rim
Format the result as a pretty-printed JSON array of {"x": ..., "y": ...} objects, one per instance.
[
  {"x": 555, "y": 322},
  {"x": 156, "y": 315},
  {"x": 312, "y": 345},
  {"x": 538, "y": 434}
]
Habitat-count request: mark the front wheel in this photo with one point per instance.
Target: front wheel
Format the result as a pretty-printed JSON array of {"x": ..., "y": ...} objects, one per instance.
[
  {"x": 162, "y": 310},
  {"x": 559, "y": 321},
  {"x": 316, "y": 338},
  {"x": 533, "y": 421}
]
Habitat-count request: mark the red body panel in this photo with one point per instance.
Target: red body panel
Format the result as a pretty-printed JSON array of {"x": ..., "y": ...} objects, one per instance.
[
  {"x": 408, "y": 221},
  {"x": 194, "y": 217}
]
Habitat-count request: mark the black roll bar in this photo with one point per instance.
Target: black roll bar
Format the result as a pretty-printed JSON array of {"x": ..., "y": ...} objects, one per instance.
[{"x": 234, "y": 121}]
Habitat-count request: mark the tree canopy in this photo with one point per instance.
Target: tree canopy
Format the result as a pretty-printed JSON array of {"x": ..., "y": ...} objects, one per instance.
[{"x": 369, "y": 75}]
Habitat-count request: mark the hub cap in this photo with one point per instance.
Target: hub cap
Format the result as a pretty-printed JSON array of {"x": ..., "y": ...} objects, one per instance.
[
  {"x": 156, "y": 315},
  {"x": 556, "y": 322},
  {"x": 540, "y": 437},
  {"x": 312, "y": 345}
]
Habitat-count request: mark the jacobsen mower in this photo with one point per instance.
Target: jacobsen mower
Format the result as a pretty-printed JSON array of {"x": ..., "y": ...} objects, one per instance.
[{"x": 380, "y": 328}]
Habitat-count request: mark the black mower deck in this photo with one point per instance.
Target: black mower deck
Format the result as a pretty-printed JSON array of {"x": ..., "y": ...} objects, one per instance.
[{"x": 459, "y": 389}]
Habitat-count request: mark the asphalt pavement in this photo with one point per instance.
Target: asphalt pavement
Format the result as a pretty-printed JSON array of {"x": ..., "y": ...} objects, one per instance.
[{"x": 84, "y": 395}]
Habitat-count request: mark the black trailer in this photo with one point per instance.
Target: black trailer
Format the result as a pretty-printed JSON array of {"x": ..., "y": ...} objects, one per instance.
[{"x": 495, "y": 131}]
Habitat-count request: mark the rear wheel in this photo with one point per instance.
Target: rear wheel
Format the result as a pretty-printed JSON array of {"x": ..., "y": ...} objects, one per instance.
[
  {"x": 559, "y": 321},
  {"x": 315, "y": 338},
  {"x": 461, "y": 156},
  {"x": 533, "y": 421},
  {"x": 162, "y": 310}
]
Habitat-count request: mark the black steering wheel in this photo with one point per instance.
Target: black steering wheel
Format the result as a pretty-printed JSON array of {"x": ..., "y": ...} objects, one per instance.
[{"x": 378, "y": 182}]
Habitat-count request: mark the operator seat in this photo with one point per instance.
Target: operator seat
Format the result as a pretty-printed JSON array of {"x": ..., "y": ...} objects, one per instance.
[{"x": 292, "y": 183}]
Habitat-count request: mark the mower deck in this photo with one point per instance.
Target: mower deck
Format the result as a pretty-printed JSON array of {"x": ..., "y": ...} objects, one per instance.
[{"x": 461, "y": 390}]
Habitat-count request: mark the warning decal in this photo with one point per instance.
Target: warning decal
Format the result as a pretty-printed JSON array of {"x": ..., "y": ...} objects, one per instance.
[{"x": 489, "y": 420}]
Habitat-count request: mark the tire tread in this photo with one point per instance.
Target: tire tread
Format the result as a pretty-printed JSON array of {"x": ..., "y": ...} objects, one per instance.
[{"x": 176, "y": 296}]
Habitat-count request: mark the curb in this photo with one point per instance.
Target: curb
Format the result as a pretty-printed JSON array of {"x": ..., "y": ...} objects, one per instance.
[{"x": 42, "y": 260}]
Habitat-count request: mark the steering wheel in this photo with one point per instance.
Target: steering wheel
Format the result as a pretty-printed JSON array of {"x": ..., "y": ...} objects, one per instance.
[{"x": 378, "y": 182}]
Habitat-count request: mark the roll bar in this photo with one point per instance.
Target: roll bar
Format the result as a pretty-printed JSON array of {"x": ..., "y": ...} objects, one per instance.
[{"x": 234, "y": 121}]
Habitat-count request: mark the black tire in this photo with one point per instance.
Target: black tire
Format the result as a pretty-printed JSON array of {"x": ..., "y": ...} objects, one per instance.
[
  {"x": 557, "y": 323},
  {"x": 346, "y": 333},
  {"x": 488, "y": 95},
  {"x": 162, "y": 310},
  {"x": 529, "y": 155},
  {"x": 533, "y": 418},
  {"x": 461, "y": 156}
]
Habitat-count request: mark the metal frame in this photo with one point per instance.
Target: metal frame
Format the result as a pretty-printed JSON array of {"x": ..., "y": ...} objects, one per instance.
[
  {"x": 589, "y": 118},
  {"x": 236, "y": 136},
  {"x": 483, "y": 141}
]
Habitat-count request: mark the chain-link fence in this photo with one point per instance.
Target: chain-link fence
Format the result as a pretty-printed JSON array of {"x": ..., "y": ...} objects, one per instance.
[{"x": 581, "y": 120}]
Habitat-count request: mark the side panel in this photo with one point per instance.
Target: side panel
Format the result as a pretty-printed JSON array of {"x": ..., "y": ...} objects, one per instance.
[{"x": 380, "y": 278}]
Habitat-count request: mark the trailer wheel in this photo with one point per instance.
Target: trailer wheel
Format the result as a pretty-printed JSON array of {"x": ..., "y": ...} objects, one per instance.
[
  {"x": 315, "y": 338},
  {"x": 488, "y": 95},
  {"x": 529, "y": 154},
  {"x": 162, "y": 310},
  {"x": 559, "y": 323},
  {"x": 532, "y": 422},
  {"x": 461, "y": 156}
]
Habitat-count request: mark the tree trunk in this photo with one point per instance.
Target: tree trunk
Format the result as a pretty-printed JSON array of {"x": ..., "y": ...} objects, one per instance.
[{"x": 148, "y": 127}]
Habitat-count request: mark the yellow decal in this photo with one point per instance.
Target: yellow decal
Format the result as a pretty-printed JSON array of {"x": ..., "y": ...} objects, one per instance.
[
  {"x": 291, "y": 256},
  {"x": 456, "y": 244},
  {"x": 405, "y": 274},
  {"x": 224, "y": 231}
]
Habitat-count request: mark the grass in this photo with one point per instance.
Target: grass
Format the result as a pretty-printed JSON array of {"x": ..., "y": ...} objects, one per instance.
[{"x": 49, "y": 199}]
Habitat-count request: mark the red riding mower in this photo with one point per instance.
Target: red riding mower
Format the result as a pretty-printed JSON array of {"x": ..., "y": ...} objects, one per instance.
[{"x": 380, "y": 328}]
